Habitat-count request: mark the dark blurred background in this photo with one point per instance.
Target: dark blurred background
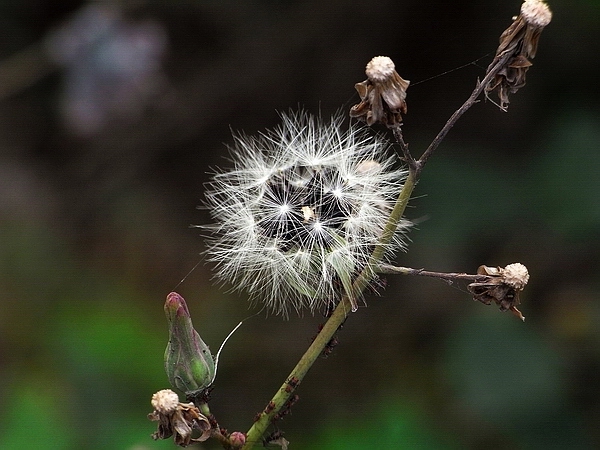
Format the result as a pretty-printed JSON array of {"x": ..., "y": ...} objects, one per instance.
[{"x": 112, "y": 114}]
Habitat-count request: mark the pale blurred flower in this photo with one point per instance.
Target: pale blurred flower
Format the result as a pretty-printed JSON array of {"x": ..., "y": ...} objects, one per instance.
[{"x": 111, "y": 66}]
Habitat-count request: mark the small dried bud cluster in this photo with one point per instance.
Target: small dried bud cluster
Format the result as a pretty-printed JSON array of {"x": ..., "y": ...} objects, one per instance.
[
  {"x": 177, "y": 419},
  {"x": 501, "y": 285},
  {"x": 382, "y": 94},
  {"x": 518, "y": 44}
]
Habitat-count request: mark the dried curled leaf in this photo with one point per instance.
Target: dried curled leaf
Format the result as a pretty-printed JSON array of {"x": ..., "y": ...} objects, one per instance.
[{"x": 276, "y": 439}]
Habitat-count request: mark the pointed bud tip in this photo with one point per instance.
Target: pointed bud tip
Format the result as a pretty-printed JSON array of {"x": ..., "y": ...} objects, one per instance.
[
  {"x": 175, "y": 305},
  {"x": 175, "y": 299}
]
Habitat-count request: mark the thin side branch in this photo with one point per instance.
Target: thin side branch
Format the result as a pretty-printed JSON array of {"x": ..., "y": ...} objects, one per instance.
[
  {"x": 492, "y": 72},
  {"x": 500, "y": 285},
  {"x": 407, "y": 156},
  {"x": 449, "y": 276}
]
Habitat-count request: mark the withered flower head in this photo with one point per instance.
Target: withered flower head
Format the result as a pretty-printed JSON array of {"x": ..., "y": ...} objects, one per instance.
[
  {"x": 501, "y": 285},
  {"x": 518, "y": 45},
  {"x": 177, "y": 419},
  {"x": 382, "y": 94}
]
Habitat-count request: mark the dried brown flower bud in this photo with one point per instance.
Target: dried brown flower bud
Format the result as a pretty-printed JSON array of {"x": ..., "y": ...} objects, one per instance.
[
  {"x": 177, "y": 419},
  {"x": 501, "y": 285},
  {"x": 518, "y": 44},
  {"x": 382, "y": 94},
  {"x": 165, "y": 401},
  {"x": 516, "y": 275}
]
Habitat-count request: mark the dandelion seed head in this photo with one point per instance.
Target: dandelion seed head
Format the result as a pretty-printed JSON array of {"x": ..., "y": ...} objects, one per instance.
[{"x": 300, "y": 212}]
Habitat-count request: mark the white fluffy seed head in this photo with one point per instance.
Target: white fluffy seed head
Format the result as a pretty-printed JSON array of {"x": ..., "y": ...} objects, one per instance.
[
  {"x": 536, "y": 12},
  {"x": 301, "y": 211}
]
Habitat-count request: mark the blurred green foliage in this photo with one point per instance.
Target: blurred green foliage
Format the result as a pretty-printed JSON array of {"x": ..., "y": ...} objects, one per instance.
[
  {"x": 391, "y": 426},
  {"x": 565, "y": 179}
]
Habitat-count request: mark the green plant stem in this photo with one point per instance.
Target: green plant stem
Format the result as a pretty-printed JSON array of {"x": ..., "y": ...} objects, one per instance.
[
  {"x": 216, "y": 432},
  {"x": 284, "y": 393},
  {"x": 367, "y": 274},
  {"x": 342, "y": 310}
]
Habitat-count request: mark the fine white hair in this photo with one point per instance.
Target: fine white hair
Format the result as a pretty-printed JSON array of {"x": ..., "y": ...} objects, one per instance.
[{"x": 300, "y": 212}]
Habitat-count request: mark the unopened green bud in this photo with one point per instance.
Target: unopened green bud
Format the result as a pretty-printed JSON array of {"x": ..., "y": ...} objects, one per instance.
[{"x": 189, "y": 364}]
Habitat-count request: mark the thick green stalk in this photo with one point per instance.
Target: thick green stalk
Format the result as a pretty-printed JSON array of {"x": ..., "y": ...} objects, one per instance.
[{"x": 284, "y": 393}]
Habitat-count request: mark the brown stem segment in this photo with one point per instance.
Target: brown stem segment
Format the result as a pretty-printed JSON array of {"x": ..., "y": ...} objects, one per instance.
[
  {"x": 449, "y": 276},
  {"x": 492, "y": 71}
]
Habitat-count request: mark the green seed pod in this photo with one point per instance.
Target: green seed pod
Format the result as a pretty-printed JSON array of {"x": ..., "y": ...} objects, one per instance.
[{"x": 189, "y": 364}]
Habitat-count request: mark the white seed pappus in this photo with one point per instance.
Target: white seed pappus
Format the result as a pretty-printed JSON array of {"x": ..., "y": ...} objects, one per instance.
[{"x": 300, "y": 213}]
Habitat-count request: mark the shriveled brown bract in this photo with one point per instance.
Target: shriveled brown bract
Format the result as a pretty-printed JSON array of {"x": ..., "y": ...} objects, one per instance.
[{"x": 518, "y": 45}]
